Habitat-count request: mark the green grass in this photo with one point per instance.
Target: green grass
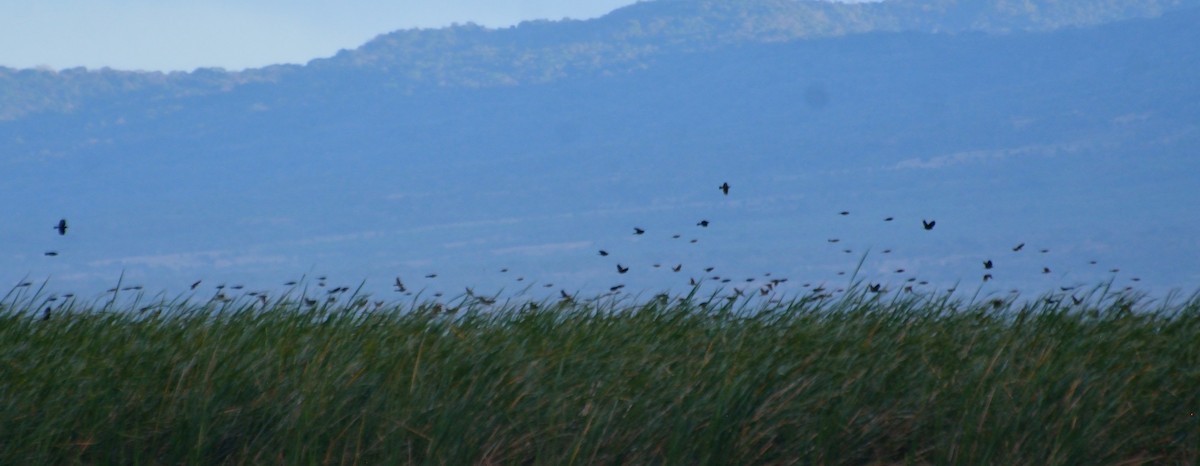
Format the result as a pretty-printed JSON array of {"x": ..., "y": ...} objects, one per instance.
[{"x": 860, "y": 379}]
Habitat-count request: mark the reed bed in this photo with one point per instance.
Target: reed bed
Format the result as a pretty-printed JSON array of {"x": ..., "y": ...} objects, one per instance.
[{"x": 861, "y": 379}]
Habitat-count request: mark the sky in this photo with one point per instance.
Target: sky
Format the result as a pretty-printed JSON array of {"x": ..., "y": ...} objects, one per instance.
[{"x": 166, "y": 35}]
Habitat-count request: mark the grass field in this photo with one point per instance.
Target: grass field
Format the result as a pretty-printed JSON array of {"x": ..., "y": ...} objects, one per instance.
[{"x": 863, "y": 378}]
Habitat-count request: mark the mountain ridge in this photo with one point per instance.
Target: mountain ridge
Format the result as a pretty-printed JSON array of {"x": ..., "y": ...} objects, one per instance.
[{"x": 543, "y": 51}]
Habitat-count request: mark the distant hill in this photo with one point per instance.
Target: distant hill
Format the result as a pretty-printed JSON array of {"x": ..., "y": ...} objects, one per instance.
[
  {"x": 465, "y": 150},
  {"x": 623, "y": 41}
]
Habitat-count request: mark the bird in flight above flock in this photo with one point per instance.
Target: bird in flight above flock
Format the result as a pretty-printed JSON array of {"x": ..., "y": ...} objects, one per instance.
[
  {"x": 928, "y": 224},
  {"x": 724, "y": 188},
  {"x": 61, "y": 227}
]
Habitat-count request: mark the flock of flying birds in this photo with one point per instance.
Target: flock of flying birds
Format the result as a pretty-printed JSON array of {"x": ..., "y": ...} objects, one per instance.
[{"x": 743, "y": 288}]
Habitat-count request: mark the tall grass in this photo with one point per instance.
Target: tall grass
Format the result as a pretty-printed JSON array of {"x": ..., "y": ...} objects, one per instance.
[{"x": 864, "y": 378}]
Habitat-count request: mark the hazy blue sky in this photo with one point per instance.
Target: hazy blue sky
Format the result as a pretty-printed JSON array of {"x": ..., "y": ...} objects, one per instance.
[{"x": 185, "y": 34}]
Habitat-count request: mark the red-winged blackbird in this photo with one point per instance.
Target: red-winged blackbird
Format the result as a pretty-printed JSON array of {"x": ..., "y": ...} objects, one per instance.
[
  {"x": 888, "y": 219},
  {"x": 61, "y": 227},
  {"x": 622, "y": 269},
  {"x": 505, "y": 270},
  {"x": 899, "y": 270},
  {"x": 1075, "y": 300},
  {"x": 400, "y": 286},
  {"x": 987, "y": 264},
  {"x": 603, "y": 252},
  {"x": 844, "y": 212},
  {"x": 432, "y": 275},
  {"x": 1018, "y": 247},
  {"x": 194, "y": 285},
  {"x": 290, "y": 283},
  {"x": 876, "y": 288},
  {"x": 564, "y": 294},
  {"x": 675, "y": 236},
  {"x": 1045, "y": 269},
  {"x": 703, "y": 223},
  {"x": 638, "y": 231},
  {"x": 677, "y": 268},
  {"x": 724, "y": 188},
  {"x": 709, "y": 269},
  {"x": 1045, "y": 251},
  {"x": 693, "y": 241},
  {"x": 928, "y": 224},
  {"x": 887, "y": 251},
  {"x": 51, "y": 253},
  {"x": 987, "y": 276},
  {"x": 615, "y": 288},
  {"x": 833, "y": 240}
]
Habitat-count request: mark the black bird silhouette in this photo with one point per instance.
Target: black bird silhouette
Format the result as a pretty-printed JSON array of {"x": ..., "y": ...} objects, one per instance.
[
  {"x": 887, "y": 251},
  {"x": 724, "y": 188},
  {"x": 564, "y": 294},
  {"x": 432, "y": 275},
  {"x": 603, "y": 252},
  {"x": 290, "y": 283},
  {"x": 703, "y": 223},
  {"x": 1018, "y": 247},
  {"x": 928, "y": 224},
  {"x": 709, "y": 269},
  {"x": 693, "y": 241},
  {"x": 51, "y": 253},
  {"x": 46, "y": 313},
  {"x": 844, "y": 212},
  {"x": 677, "y": 268},
  {"x": 638, "y": 231},
  {"x": 194, "y": 285},
  {"x": 987, "y": 276},
  {"x": 876, "y": 288},
  {"x": 61, "y": 227},
  {"x": 400, "y": 286},
  {"x": 615, "y": 288},
  {"x": 1045, "y": 251},
  {"x": 987, "y": 264},
  {"x": 1045, "y": 269},
  {"x": 622, "y": 269},
  {"x": 888, "y": 219},
  {"x": 833, "y": 240},
  {"x": 899, "y": 270}
]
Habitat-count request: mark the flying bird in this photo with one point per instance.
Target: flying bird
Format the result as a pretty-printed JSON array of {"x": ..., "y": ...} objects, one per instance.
[
  {"x": 622, "y": 269},
  {"x": 987, "y": 276},
  {"x": 677, "y": 268},
  {"x": 724, "y": 188},
  {"x": 844, "y": 212},
  {"x": 638, "y": 231},
  {"x": 61, "y": 227},
  {"x": 928, "y": 224},
  {"x": 1045, "y": 269},
  {"x": 703, "y": 223},
  {"x": 1018, "y": 247},
  {"x": 888, "y": 219},
  {"x": 987, "y": 264},
  {"x": 51, "y": 253},
  {"x": 603, "y": 252},
  {"x": 432, "y": 275},
  {"x": 400, "y": 286},
  {"x": 194, "y": 285}
]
